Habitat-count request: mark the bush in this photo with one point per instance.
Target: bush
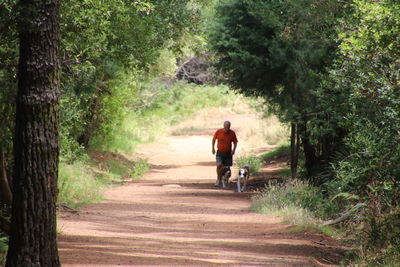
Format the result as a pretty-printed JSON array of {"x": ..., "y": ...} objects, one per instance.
[
  {"x": 77, "y": 184},
  {"x": 253, "y": 161},
  {"x": 298, "y": 202}
]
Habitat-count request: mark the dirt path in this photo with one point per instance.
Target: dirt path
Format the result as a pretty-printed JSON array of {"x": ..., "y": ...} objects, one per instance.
[{"x": 175, "y": 217}]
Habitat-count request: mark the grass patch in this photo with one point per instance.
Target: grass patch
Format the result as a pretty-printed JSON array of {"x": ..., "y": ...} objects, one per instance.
[
  {"x": 297, "y": 202},
  {"x": 81, "y": 183},
  {"x": 78, "y": 185},
  {"x": 118, "y": 169},
  {"x": 282, "y": 150},
  {"x": 285, "y": 172},
  {"x": 141, "y": 167}
]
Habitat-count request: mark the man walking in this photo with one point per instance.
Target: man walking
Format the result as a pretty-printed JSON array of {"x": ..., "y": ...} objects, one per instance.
[{"x": 226, "y": 137}]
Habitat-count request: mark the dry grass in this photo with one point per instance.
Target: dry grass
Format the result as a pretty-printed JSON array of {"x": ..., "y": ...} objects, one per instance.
[{"x": 254, "y": 132}]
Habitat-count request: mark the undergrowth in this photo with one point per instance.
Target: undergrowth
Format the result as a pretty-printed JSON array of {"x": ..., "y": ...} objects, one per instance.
[
  {"x": 78, "y": 185},
  {"x": 297, "y": 202}
]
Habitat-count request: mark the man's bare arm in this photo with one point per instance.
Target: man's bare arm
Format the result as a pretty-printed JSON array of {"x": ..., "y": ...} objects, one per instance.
[
  {"x": 213, "y": 145},
  {"x": 234, "y": 148}
]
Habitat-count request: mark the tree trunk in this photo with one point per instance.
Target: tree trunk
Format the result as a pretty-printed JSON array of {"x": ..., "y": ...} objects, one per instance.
[
  {"x": 294, "y": 151},
  {"x": 6, "y": 195},
  {"x": 312, "y": 163},
  {"x": 36, "y": 149},
  {"x": 86, "y": 136}
]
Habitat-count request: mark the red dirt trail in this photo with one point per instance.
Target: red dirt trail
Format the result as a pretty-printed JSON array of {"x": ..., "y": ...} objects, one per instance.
[{"x": 174, "y": 216}]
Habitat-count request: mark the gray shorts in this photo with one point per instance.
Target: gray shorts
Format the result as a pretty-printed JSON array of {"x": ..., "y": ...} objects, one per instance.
[{"x": 224, "y": 157}]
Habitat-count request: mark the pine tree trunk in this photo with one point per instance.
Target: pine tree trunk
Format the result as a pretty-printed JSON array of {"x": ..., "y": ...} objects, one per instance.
[
  {"x": 36, "y": 150},
  {"x": 312, "y": 163},
  {"x": 294, "y": 150}
]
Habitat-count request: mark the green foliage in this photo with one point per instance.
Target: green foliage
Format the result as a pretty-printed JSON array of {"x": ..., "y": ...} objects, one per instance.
[
  {"x": 149, "y": 114},
  {"x": 286, "y": 172},
  {"x": 106, "y": 46},
  {"x": 123, "y": 169},
  {"x": 141, "y": 167},
  {"x": 82, "y": 182},
  {"x": 282, "y": 150},
  {"x": 298, "y": 202},
  {"x": 253, "y": 161},
  {"x": 239, "y": 51},
  {"x": 3, "y": 248},
  {"x": 280, "y": 50},
  {"x": 8, "y": 66},
  {"x": 71, "y": 127},
  {"x": 363, "y": 97},
  {"x": 77, "y": 184}
]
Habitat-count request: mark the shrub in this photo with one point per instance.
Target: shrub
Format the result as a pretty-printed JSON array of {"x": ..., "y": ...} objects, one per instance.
[
  {"x": 296, "y": 201},
  {"x": 77, "y": 184},
  {"x": 253, "y": 161}
]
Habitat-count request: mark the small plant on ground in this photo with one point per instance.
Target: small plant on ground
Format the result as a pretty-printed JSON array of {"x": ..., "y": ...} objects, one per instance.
[
  {"x": 253, "y": 161},
  {"x": 141, "y": 167}
]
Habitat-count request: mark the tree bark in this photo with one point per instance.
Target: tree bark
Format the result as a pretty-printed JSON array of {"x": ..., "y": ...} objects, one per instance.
[
  {"x": 294, "y": 144},
  {"x": 92, "y": 121},
  {"x": 36, "y": 149},
  {"x": 312, "y": 163}
]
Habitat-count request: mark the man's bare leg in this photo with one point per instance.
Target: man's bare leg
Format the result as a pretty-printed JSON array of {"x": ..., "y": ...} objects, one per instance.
[{"x": 219, "y": 166}]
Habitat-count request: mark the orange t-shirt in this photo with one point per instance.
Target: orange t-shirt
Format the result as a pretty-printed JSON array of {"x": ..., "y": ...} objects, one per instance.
[{"x": 225, "y": 140}]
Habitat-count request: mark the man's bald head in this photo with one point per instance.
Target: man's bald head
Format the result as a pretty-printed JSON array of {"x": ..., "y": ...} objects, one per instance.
[{"x": 227, "y": 126}]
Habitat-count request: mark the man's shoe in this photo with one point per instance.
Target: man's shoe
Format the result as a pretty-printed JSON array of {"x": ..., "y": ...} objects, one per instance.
[{"x": 216, "y": 183}]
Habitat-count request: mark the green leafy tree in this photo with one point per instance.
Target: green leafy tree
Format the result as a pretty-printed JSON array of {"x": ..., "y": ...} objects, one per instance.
[
  {"x": 369, "y": 78},
  {"x": 103, "y": 41},
  {"x": 280, "y": 50}
]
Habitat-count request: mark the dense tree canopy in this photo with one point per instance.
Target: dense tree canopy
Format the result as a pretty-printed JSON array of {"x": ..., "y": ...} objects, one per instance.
[{"x": 280, "y": 50}]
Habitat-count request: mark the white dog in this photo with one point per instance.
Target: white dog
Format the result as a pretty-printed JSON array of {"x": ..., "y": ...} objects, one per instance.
[{"x": 244, "y": 174}]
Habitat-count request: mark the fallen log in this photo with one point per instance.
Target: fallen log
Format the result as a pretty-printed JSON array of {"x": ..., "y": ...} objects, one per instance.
[{"x": 346, "y": 215}]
